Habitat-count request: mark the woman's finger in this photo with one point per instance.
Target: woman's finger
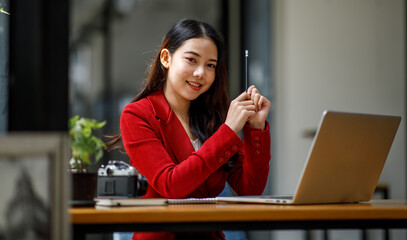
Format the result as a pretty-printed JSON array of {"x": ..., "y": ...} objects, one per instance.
[
  {"x": 256, "y": 97},
  {"x": 246, "y": 102},
  {"x": 249, "y": 90},
  {"x": 264, "y": 102},
  {"x": 260, "y": 102},
  {"x": 243, "y": 96}
]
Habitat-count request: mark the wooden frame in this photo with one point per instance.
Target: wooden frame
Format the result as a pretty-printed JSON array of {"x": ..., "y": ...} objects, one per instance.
[{"x": 33, "y": 175}]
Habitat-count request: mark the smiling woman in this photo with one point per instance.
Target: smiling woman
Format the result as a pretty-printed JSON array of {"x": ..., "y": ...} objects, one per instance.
[{"x": 180, "y": 132}]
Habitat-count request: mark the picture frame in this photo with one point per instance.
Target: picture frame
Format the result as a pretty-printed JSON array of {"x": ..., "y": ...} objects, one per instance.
[{"x": 34, "y": 180}]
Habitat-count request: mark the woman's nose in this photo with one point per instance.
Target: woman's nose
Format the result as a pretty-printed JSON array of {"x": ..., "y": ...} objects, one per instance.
[{"x": 199, "y": 72}]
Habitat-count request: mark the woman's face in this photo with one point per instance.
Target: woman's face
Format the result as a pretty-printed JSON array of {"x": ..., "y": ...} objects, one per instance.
[{"x": 191, "y": 69}]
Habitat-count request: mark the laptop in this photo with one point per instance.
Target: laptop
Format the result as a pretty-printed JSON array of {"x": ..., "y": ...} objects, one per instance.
[{"x": 345, "y": 161}]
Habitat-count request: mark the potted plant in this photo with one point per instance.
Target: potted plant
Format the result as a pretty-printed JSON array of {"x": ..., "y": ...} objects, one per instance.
[{"x": 87, "y": 149}]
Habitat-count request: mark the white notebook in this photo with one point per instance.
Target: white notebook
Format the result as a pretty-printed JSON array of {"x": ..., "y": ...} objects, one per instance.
[
  {"x": 130, "y": 202},
  {"x": 192, "y": 200},
  {"x": 150, "y": 201}
]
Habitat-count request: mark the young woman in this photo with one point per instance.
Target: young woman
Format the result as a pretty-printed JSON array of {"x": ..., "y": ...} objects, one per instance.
[{"x": 180, "y": 132}]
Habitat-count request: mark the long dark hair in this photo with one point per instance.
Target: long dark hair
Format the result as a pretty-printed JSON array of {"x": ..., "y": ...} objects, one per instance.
[{"x": 209, "y": 110}]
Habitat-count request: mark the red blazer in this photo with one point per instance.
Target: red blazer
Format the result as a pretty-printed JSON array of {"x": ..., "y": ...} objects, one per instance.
[{"x": 161, "y": 150}]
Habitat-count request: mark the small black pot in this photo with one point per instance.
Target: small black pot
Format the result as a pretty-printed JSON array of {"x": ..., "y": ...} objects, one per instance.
[{"x": 83, "y": 189}]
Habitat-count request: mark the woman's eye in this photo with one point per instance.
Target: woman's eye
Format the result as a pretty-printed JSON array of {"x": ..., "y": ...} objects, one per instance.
[
  {"x": 212, "y": 65},
  {"x": 191, "y": 60}
]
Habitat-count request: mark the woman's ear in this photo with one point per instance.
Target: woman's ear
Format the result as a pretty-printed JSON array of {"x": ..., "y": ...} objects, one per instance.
[{"x": 165, "y": 57}]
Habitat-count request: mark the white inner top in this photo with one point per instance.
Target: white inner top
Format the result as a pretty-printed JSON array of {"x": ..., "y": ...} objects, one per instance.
[{"x": 196, "y": 144}]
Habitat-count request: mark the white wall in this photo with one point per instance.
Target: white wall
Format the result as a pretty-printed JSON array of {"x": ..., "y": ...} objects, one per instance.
[{"x": 346, "y": 55}]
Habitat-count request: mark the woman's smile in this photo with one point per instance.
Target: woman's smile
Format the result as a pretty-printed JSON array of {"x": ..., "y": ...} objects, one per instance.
[{"x": 194, "y": 85}]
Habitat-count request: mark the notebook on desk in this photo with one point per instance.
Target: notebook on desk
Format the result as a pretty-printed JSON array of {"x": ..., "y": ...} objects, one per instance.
[{"x": 344, "y": 163}]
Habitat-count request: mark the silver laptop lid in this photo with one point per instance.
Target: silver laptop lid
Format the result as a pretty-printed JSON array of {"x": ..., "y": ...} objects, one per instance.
[{"x": 346, "y": 158}]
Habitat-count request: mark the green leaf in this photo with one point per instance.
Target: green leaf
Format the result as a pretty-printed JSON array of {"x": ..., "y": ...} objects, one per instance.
[
  {"x": 99, "y": 125},
  {"x": 87, "y": 132},
  {"x": 72, "y": 121},
  {"x": 98, "y": 155}
]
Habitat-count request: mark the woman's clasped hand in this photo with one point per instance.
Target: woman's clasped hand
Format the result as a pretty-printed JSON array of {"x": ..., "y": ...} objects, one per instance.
[{"x": 250, "y": 107}]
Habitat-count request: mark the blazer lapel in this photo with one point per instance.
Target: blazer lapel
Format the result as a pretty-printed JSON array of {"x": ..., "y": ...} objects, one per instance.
[{"x": 173, "y": 131}]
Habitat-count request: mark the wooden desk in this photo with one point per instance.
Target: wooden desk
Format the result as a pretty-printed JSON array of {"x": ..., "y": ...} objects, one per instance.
[{"x": 209, "y": 217}]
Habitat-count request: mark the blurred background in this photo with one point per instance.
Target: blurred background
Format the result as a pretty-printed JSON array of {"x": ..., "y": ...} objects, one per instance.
[{"x": 61, "y": 58}]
